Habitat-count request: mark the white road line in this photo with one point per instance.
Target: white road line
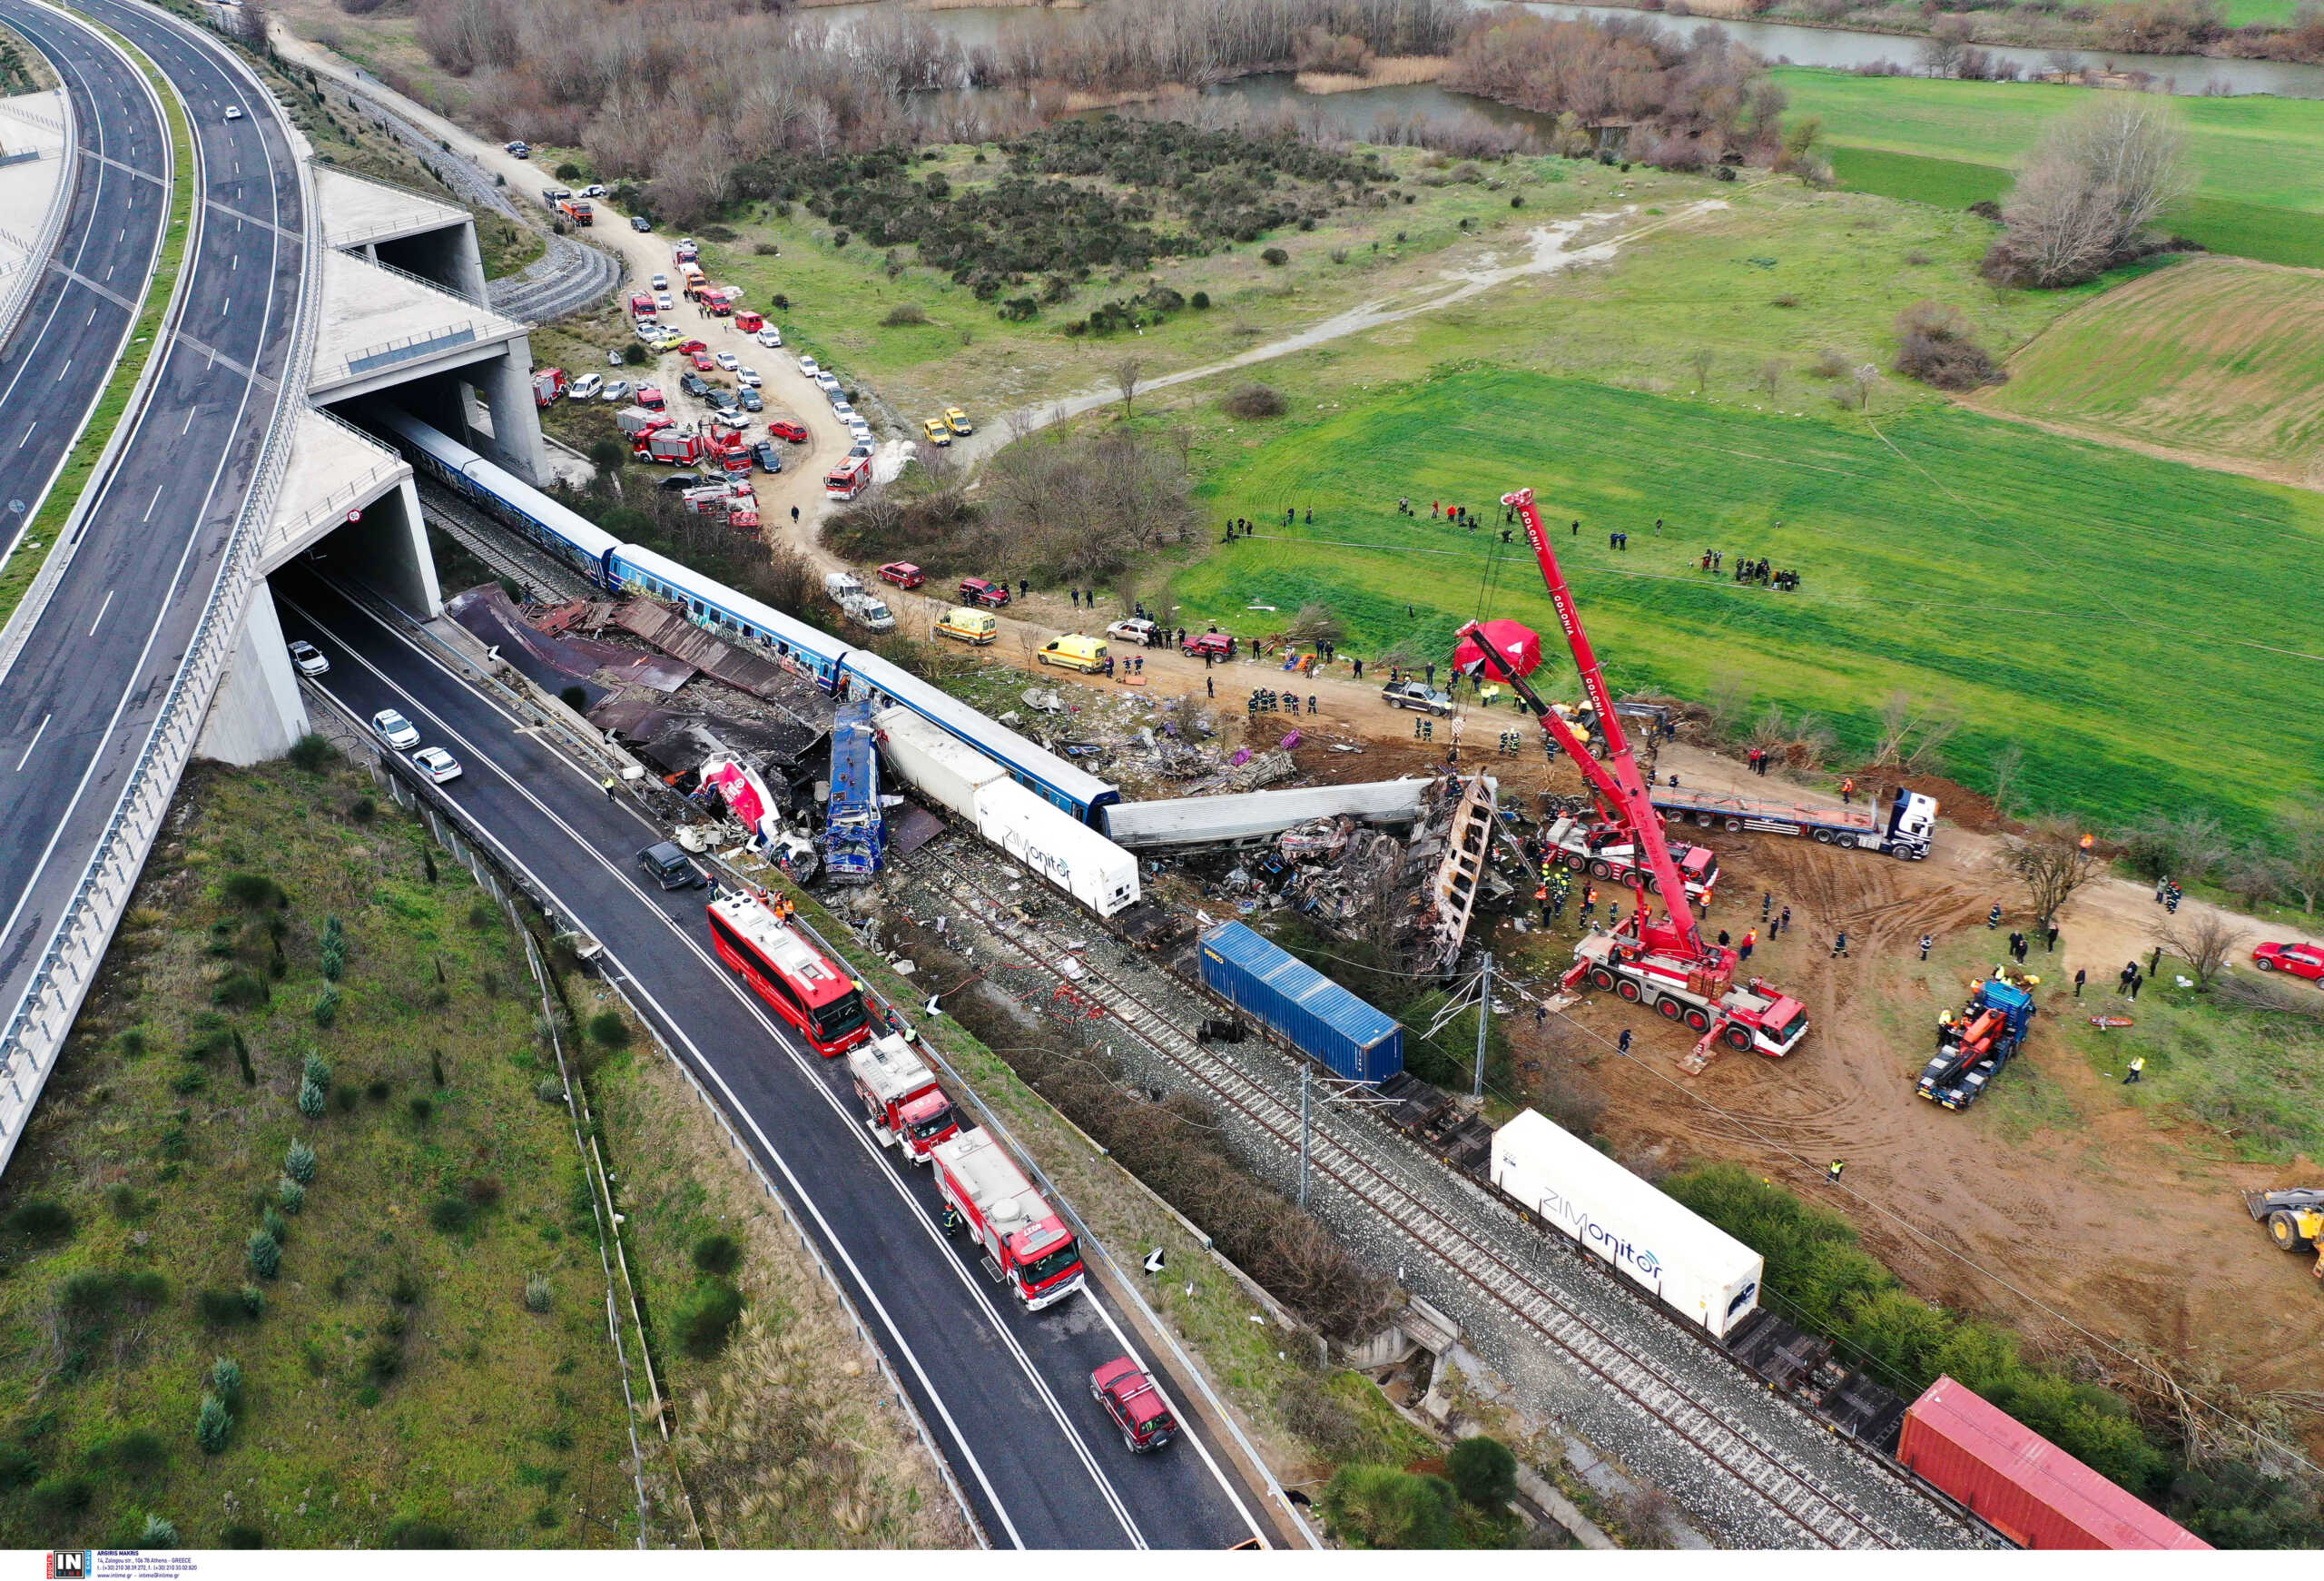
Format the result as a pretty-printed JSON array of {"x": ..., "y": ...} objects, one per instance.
[
  {"x": 189, "y": 417},
  {"x": 44, "y": 718},
  {"x": 61, "y": 372},
  {"x": 781, "y": 1039},
  {"x": 99, "y": 621},
  {"x": 150, "y": 503},
  {"x": 28, "y": 435}
]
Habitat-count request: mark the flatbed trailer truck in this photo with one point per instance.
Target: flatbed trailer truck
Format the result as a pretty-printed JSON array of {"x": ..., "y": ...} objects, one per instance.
[{"x": 1903, "y": 830}]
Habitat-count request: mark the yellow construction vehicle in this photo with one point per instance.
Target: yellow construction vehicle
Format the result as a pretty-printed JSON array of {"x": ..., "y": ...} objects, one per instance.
[{"x": 2295, "y": 1220}]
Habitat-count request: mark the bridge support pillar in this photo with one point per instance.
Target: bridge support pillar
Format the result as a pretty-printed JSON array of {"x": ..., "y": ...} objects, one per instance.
[
  {"x": 389, "y": 550},
  {"x": 257, "y": 713},
  {"x": 504, "y": 385}
]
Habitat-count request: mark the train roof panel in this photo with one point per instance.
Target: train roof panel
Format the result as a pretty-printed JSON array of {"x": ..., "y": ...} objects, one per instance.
[{"x": 996, "y": 740}]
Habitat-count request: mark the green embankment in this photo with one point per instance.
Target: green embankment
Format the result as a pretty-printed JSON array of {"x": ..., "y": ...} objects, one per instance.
[
  {"x": 17, "y": 577},
  {"x": 2104, "y": 609},
  {"x": 2259, "y": 162}
]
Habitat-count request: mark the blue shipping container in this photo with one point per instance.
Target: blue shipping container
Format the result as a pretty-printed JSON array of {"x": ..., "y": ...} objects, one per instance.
[{"x": 1352, "y": 1039}]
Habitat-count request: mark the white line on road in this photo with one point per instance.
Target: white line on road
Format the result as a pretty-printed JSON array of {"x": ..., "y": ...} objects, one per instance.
[
  {"x": 28, "y": 435},
  {"x": 156, "y": 500},
  {"x": 189, "y": 419},
  {"x": 224, "y": 305},
  {"x": 34, "y": 741},
  {"x": 61, "y": 372},
  {"x": 99, "y": 621}
]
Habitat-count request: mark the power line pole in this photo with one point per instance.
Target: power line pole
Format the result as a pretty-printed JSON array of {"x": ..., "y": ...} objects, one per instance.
[
  {"x": 1306, "y": 1083},
  {"x": 1484, "y": 1011}
]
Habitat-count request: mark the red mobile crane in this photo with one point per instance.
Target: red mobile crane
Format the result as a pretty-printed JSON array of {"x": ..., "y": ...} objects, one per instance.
[{"x": 1664, "y": 963}]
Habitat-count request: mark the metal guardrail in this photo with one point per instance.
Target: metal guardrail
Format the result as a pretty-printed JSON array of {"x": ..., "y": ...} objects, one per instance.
[
  {"x": 19, "y": 298},
  {"x": 37, "y": 1028},
  {"x": 390, "y": 353}
]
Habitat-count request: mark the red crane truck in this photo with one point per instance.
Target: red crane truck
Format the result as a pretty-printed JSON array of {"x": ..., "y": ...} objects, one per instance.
[
  {"x": 1664, "y": 962},
  {"x": 905, "y": 1106},
  {"x": 1025, "y": 1242}
]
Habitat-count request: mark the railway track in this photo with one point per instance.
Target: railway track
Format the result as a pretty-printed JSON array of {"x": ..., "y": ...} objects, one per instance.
[
  {"x": 1778, "y": 1480},
  {"x": 496, "y": 546}
]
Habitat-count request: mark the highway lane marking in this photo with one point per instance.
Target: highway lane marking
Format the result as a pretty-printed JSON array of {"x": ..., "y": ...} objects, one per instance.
[
  {"x": 44, "y": 718},
  {"x": 157, "y": 495},
  {"x": 225, "y": 307},
  {"x": 61, "y": 372},
  {"x": 239, "y": 218},
  {"x": 189, "y": 419},
  {"x": 28, "y": 435},
  {"x": 106, "y": 291},
  {"x": 99, "y": 621},
  {"x": 774, "y": 1030},
  {"x": 216, "y": 356}
]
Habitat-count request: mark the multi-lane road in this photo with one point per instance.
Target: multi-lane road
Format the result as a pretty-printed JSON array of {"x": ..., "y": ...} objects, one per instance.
[
  {"x": 1005, "y": 1394},
  {"x": 82, "y": 695}
]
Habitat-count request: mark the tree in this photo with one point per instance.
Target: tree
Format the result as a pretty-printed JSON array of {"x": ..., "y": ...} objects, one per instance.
[
  {"x": 2050, "y": 860},
  {"x": 2099, "y": 177},
  {"x": 2300, "y": 828},
  {"x": 1913, "y": 732},
  {"x": 1771, "y": 375},
  {"x": 1126, "y": 374},
  {"x": 2204, "y": 939},
  {"x": 1483, "y": 1472},
  {"x": 1379, "y": 1506},
  {"x": 1699, "y": 360},
  {"x": 1315, "y": 623},
  {"x": 2005, "y": 768},
  {"x": 2184, "y": 845},
  {"x": 1942, "y": 50}
]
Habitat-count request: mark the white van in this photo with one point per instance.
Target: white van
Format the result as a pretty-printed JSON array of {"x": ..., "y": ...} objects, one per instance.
[
  {"x": 586, "y": 387},
  {"x": 839, "y": 586}
]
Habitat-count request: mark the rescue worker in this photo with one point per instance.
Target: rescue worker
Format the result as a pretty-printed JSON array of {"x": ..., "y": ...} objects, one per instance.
[
  {"x": 1831, "y": 1175},
  {"x": 608, "y": 787},
  {"x": 2138, "y": 1069},
  {"x": 1992, "y": 917},
  {"x": 1926, "y": 940}
]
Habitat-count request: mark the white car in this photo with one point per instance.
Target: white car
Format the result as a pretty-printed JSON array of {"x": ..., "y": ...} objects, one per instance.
[
  {"x": 233, "y": 112},
  {"x": 749, "y": 377},
  {"x": 661, "y": 302},
  {"x": 618, "y": 391},
  {"x": 810, "y": 367},
  {"x": 841, "y": 409},
  {"x": 593, "y": 190},
  {"x": 395, "y": 729},
  {"x": 731, "y": 420},
  {"x": 660, "y": 282},
  {"x": 310, "y": 659},
  {"x": 770, "y": 336},
  {"x": 860, "y": 448},
  {"x": 436, "y": 764},
  {"x": 728, "y": 360}
]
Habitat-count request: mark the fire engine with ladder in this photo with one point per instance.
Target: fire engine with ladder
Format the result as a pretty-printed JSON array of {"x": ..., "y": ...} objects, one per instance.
[{"x": 1661, "y": 962}]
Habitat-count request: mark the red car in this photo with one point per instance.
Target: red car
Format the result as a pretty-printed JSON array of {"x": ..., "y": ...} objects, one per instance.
[
  {"x": 1136, "y": 1407},
  {"x": 702, "y": 362},
  {"x": 1198, "y": 643},
  {"x": 902, "y": 573},
  {"x": 980, "y": 594},
  {"x": 688, "y": 348},
  {"x": 783, "y": 428},
  {"x": 2299, "y": 960}
]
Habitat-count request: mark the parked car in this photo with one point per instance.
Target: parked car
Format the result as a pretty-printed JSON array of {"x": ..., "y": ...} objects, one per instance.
[
  {"x": 585, "y": 388},
  {"x": 728, "y": 360},
  {"x": 679, "y": 482},
  {"x": 688, "y": 347},
  {"x": 520, "y": 148},
  {"x": 2299, "y": 960},
  {"x": 938, "y": 434},
  {"x": 593, "y": 190},
  {"x": 1073, "y": 652},
  {"x": 977, "y": 593},
  {"x": 702, "y": 362},
  {"x": 310, "y": 659},
  {"x": 733, "y": 420},
  {"x": 661, "y": 302},
  {"x": 695, "y": 384},
  {"x": 863, "y": 447},
  {"x": 660, "y": 282},
  {"x": 768, "y": 455},
  {"x": 1414, "y": 696},
  {"x": 395, "y": 729},
  {"x": 1136, "y": 629},
  {"x": 640, "y": 222},
  {"x": 1137, "y": 1409},
  {"x": 617, "y": 391},
  {"x": 753, "y": 400},
  {"x": 723, "y": 399},
  {"x": 810, "y": 367},
  {"x": 958, "y": 421},
  {"x": 436, "y": 764},
  {"x": 903, "y": 574},
  {"x": 770, "y": 336},
  {"x": 783, "y": 428},
  {"x": 748, "y": 376},
  {"x": 1216, "y": 643},
  {"x": 670, "y": 867}
]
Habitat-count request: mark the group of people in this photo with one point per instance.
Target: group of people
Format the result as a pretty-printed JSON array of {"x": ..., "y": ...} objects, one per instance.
[
  {"x": 2168, "y": 894},
  {"x": 1264, "y": 700}
]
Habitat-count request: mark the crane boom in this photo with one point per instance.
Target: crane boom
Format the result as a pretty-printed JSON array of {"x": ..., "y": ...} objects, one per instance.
[
  {"x": 1602, "y": 784},
  {"x": 1632, "y": 809}
]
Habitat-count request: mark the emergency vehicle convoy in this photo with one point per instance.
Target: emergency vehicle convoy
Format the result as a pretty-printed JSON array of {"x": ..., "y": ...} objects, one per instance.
[
  {"x": 906, "y": 1108},
  {"x": 1026, "y": 1244},
  {"x": 789, "y": 974}
]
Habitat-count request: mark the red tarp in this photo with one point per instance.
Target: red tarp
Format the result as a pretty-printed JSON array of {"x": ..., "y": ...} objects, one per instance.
[{"x": 1518, "y": 646}]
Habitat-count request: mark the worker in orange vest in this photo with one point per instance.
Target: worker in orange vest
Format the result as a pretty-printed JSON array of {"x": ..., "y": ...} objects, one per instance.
[
  {"x": 1848, "y": 793},
  {"x": 1750, "y": 940}
]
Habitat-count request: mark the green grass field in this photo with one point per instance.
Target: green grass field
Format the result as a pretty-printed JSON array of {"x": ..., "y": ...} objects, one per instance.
[
  {"x": 2215, "y": 356},
  {"x": 2259, "y": 162},
  {"x": 395, "y": 1374},
  {"x": 2105, "y": 610}
]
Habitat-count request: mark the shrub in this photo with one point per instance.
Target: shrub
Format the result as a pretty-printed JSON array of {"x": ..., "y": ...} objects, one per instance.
[
  {"x": 244, "y": 1536},
  {"x": 1254, "y": 401},
  {"x": 706, "y": 1315},
  {"x": 1483, "y": 1472},
  {"x": 219, "y": 1307},
  {"x": 299, "y": 1163},
  {"x": 317, "y": 1070},
  {"x": 363, "y": 809},
  {"x": 311, "y": 751},
  {"x": 213, "y": 1424},
  {"x": 226, "y": 1378},
  {"x": 160, "y": 1532},
  {"x": 132, "y": 1043},
  {"x": 1275, "y": 257},
  {"x": 277, "y": 1226},
  {"x": 58, "y": 1496},
  {"x": 253, "y": 1303},
  {"x": 17, "y": 1467},
  {"x": 252, "y": 892},
  {"x": 146, "y": 1288},
  {"x": 1936, "y": 348},
  {"x": 451, "y": 1214},
  {"x": 1379, "y": 1506},
  {"x": 40, "y": 1219},
  {"x": 383, "y": 1360},
  {"x": 905, "y": 313},
  {"x": 313, "y": 1101},
  {"x": 125, "y": 1201},
  {"x": 404, "y": 1290},
  {"x": 265, "y": 1254},
  {"x": 538, "y": 1293},
  {"x": 608, "y": 1030},
  {"x": 326, "y": 1013},
  {"x": 334, "y": 956},
  {"x": 482, "y": 1191},
  {"x": 717, "y": 1254},
  {"x": 1199, "y": 301},
  {"x": 139, "y": 1452},
  {"x": 549, "y": 1090},
  {"x": 422, "y": 1534},
  {"x": 241, "y": 990},
  {"x": 89, "y": 1292},
  {"x": 422, "y": 1110}
]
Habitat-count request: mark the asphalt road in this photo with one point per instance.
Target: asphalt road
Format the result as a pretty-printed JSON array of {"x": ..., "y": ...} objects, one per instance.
[
  {"x": 1005, "y": 1392},
  {"x": 82, "y": 696}
]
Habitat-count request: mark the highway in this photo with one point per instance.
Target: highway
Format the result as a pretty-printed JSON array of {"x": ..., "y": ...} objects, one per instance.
[
  {"x": 1005, "y": 1393},
  {"x": 81, "y": 697}
]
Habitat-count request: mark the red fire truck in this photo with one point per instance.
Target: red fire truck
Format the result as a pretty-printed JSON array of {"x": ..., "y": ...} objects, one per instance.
[
  {"x": 789, "y": 974},
  {"x": 548, "y": 383},
  {"x": 672, "y": 447},
  {"x": 1606, "y": 851},
  {"x": 1024, "y": 1241},
  {"x": 848, "y": 479},
  {"x": 901, "y": 1098}
]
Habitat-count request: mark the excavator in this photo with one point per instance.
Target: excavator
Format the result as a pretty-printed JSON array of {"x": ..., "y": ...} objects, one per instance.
[
  {"x": 1661, "y": 962},
  {"x": 2295, "y": 1220}
]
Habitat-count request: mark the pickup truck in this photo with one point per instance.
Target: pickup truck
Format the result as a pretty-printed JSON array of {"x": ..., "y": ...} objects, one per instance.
[{"x": 1414, "y": 696}]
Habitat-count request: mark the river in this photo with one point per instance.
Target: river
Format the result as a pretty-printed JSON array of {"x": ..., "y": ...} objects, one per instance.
[{"x": 1778, "y": 42}]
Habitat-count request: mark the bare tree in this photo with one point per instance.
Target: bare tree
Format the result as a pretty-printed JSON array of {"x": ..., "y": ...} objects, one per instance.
[
  {"x": 1126, "y": 374},
  {"x": 2052, "y": 860},
  {"x": 1699, "y": 360},
  {"x": 2100, "y": 176},
  {"x": 2204, "y": 939},
  {"x": 2005, "y": 767},
  {"x": 2300, "y": 830},
  {"x": 1941, "y": 51},
  {"x": 1913, "y": 732},
  {"x": 1726, "y": 701},
  {"x": 1771, "y": 375}
]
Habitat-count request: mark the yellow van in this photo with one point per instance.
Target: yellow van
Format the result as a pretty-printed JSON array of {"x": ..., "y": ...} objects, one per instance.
[
  {"x": 1075, "y": 653},
  {"x": 973, "y": 627},
  {"x": 938, "y": 434}
]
